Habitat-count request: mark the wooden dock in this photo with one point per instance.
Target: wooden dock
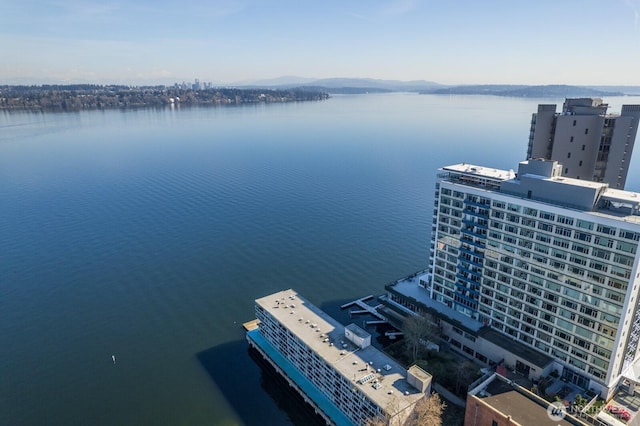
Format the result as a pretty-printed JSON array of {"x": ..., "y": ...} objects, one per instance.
[{"x": 251, "y": 325}]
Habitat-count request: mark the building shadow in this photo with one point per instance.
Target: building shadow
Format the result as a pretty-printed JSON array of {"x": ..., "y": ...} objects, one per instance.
[
  {"x": 255, "y": 391},
  {"x": 343, "y": 316}
]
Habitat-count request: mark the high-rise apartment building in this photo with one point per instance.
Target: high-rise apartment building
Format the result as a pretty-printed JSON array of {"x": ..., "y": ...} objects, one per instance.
[
  {"x": 590, "y": 144},
  {"x": 548, "y": 261}
]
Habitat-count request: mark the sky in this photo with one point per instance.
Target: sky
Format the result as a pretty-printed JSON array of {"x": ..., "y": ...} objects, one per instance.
[{"x": 580, "y": 42}]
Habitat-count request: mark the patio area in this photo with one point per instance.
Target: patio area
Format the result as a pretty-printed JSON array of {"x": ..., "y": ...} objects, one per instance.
[{"x": 564, "y": 390}]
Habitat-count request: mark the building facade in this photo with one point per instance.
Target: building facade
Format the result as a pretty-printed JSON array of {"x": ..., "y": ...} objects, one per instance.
[
  {"x": 547, "y": 261},
  {"x": 499, "y": 402},
  {"x": 590, "y": 143},
  {"x": 334, "y": 367}
]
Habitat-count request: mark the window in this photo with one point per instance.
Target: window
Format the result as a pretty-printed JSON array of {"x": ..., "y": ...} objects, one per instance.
[
  {"x": 565, "y": 220},
  {"x": 547, "y": 216},
  {"x": 580, "y": 248},
  {"x": 604, "y": 242},
  {"x": 561, "y": 230},
  {"x": 602, "y": 254},
  {"x": 545, "y": 226},
  {"x": 583, "y": 236},
  {"x": 586, "y": 131},
  {"x": 584, "y": 224},
  {"x": 571, "y": 140},
  {"x": 626, "y": 247},
  {"x": 568, "y": 155},
  {"x": 578, "y": 259},
  {"x": 630, "y": 235},
  {"x": 580, "y": 163},
  {"x": 606, "y": 230},
  {"x": 623, "y": 260},
  {"x": 583, "y": 147},
  {"x": 574, "y": 122}
]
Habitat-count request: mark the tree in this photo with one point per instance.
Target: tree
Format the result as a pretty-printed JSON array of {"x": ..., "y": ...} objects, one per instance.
[
  {"x": 428, "y": 411},
  {"x": 464, "y": 375},
  {"x": 417, "y": 330}
]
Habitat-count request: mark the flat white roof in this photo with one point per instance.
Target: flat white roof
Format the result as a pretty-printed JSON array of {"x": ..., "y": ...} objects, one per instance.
[
  {"x": 578, "y": 182},
  {"x": 623, "y": 196},
  {"x": 325, "y": 336},
  {"x": 481, "y": 171},
  {"x": 616, "y": 196}
]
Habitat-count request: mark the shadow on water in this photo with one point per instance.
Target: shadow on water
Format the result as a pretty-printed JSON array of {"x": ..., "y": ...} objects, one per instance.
[{"x": 244, "y": 383}]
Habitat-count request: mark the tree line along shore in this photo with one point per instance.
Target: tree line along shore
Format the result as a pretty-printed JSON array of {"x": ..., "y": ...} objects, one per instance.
[{"x": 85, "y": 97}]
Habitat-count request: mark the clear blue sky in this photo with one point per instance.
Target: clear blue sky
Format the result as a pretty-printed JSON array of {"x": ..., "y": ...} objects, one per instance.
[{"x": 225, "y": 41}]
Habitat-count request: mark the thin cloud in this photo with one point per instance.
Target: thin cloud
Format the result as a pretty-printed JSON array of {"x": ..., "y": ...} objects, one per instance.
[
  {"x": 399, "y": 7},
  {"x": 633, "y": 5},
  {"x": 394, "y": 8}
]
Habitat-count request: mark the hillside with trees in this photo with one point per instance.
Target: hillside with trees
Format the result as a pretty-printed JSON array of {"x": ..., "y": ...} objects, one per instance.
[{"x": 84, "y": 97}]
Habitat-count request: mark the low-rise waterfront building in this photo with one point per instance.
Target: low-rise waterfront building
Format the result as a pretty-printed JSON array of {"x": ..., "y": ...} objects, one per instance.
[
  {"x": 334, "y": 367},
  {"x": 498, "y": 401}
]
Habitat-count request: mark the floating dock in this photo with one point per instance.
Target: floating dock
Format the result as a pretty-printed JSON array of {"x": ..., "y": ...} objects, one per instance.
[
  {"x": 355, "y": 302},
  {"x": 251, "y": 325},
  {"x": 366, "y": 309}
]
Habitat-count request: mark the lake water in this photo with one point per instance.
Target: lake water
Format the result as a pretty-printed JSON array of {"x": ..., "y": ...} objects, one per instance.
[{"x": 147, "y": 234}]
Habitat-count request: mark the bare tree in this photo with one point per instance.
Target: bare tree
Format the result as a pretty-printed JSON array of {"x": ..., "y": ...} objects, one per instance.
[
  {"x": 377, "y": 421},
  {"x": 464, "y": 375},
  {"x": 385, "y": 418},
  {"x": 428, "y": 411},
  {"x": 418, "y": 330}
]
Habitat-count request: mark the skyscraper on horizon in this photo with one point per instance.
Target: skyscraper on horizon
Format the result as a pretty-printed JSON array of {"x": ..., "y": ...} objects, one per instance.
[{"x": 591, "y": 144}]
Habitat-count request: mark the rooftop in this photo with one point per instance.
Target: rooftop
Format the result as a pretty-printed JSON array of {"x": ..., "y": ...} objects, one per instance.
[
  {"x": 523, "y": 351},
  {"x": 409, "y": 287},
  {"x": 542, "y": 178},
  {"x": 486, "y": 172},
  {"x": 510, "y": 400},
  {"x": 374, "y": 373}
]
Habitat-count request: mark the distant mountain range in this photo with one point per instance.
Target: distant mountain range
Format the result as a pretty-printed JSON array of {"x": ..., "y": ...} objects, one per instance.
[
  {"x": 368, "y": 85},
  {"x": 346, "y": 85}
]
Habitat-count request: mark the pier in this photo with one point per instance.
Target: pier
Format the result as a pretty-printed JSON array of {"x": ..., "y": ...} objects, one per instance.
[
  {"x": 251, "y": 325},
  {"x": 376, "y": 322},
  {"x": 355, "y": 302},
  {"x": 393, "y": 334},
  {"x": 366, "y": 309}
]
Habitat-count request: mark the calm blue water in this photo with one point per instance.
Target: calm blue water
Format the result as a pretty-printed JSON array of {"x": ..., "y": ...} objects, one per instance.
[{"x": 147, "y": 235}]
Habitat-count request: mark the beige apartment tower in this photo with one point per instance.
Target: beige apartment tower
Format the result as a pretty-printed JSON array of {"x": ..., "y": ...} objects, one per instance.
[{"x": 591, "y": 144}]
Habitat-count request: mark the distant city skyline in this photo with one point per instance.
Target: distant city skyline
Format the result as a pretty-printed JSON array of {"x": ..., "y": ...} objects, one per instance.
[{"x": 577, "y": 42}]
